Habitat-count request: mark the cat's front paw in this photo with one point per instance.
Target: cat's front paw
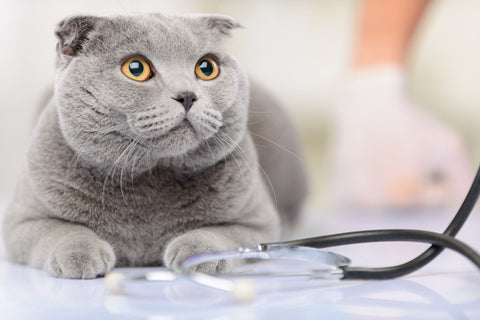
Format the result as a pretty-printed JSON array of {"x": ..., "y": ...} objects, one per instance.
[
  {"x": 80, "y": 258},
  {"x": 195, "y": 242}
]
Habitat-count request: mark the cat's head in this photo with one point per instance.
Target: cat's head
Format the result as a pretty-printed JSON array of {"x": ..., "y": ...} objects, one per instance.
[{"x": 137, "y": 91}]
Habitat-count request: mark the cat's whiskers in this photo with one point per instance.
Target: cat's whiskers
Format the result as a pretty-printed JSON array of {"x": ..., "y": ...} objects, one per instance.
[
  {"x": 111, "y": 172},
  {"x": 206, "y": 122},
  {"x": 137, "y": 156},
  {"x": 255, "y": 122},
  {"x": 132, "y": 168},
  {"x": 278, "y": 145},
  {"x": 218, "y": 142},
  {"x": 234, "y": 144},
  {"x": 259, "y": 112},
  {"x": 234, "y": 157},
  {"x": 226, "y": 143},
  {"x": 148, "y": 155},
  {"x": 258, "y": 164},
  {"x": 208, "y": 146},
  {"x": 132, "y": 146},
  {"x": 156, "y": 122},
  {"x": 209, "y": 149}
]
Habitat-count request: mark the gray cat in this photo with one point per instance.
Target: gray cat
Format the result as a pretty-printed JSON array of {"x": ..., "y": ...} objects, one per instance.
[{"x": 143, "y": 156}]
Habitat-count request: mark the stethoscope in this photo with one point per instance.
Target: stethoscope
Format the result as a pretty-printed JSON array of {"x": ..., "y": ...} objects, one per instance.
[{"x": 333, "y": 266}]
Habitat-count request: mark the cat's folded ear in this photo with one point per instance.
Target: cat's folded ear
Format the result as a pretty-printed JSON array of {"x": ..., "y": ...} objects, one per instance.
[
  {"x": 219, "y": 24},
  {"x": 73, "y": 32}
]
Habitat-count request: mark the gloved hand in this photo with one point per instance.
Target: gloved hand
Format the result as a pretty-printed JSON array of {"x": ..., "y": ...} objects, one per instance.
[{"x": 390, "y": 153}]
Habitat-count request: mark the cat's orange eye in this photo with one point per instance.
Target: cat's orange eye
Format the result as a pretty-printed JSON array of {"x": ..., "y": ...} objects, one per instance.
[
  {"x": 207, "y": 69},
  {"x": 137, "y": 69}
]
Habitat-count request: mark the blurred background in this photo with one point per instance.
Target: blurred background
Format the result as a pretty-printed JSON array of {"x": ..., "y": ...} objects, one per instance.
[{"x": 385, "y": 93}]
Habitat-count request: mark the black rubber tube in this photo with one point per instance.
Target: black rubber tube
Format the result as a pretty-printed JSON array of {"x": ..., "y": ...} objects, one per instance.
[{"x": 389, "y": 235}]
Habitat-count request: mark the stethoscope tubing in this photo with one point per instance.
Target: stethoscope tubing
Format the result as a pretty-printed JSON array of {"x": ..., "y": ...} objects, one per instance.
[
  {"x": 438, "y": 240},
  {"x": 387, "y": 235}
]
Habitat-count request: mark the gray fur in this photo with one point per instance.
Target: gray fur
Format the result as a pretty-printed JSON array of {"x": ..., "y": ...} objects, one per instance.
[{"x": 113, "y": 177}]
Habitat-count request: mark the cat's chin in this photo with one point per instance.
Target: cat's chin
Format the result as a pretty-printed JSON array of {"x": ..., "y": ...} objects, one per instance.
[{"x": 178, "y": 141}]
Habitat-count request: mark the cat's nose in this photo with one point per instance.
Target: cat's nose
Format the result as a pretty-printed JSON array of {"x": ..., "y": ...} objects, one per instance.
[{"x": 186, "y": 98}]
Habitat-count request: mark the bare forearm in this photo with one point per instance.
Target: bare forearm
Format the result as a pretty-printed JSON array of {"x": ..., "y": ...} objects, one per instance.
[{"x": 385, "y": 28}]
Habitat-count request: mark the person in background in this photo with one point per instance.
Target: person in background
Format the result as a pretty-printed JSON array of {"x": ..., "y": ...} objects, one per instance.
[{"x": 389, "y": 152}]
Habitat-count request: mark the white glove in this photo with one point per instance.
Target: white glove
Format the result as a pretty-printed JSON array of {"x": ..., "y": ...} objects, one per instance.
[{"x": 390, "y": 153}]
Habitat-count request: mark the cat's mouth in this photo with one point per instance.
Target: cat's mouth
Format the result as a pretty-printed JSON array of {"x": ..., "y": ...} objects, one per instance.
[
  {"x": 184, "y": 123},
  {"x": 156, "y": 135},
  {"x": 182, "y": 136},
  {"x": 183, "y": 127}
]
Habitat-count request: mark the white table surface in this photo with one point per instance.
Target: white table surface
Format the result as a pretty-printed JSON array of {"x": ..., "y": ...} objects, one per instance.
[{"x": 448, "y": 288}]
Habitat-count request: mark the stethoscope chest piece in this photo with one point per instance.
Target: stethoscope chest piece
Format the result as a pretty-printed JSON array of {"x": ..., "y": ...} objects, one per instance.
[
  {"x": 324, "y": 264},
  {"x": 311, "y": 263}
]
